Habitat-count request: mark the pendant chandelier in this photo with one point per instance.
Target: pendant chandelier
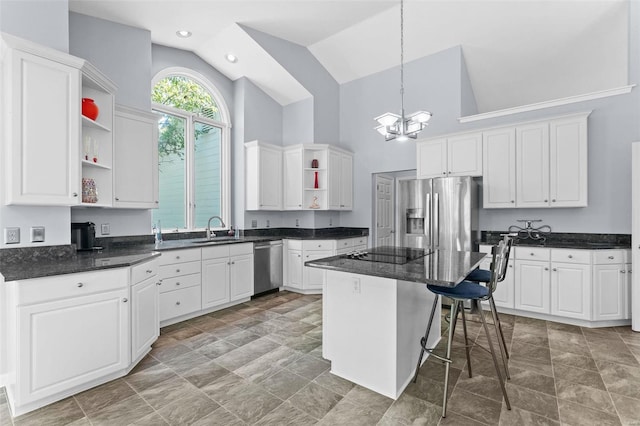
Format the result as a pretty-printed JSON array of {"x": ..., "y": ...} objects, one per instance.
[{"x": 400, "y": 127}]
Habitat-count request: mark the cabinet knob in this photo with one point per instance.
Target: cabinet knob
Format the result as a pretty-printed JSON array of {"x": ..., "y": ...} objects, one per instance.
[
  {"x": 149, "y": 271},
  {"x": 298, "y": 255},
  {"x": 553, "y": 201},
  {"x": 554, "y": 269},
  {"x": 532, "y": 254},
  {"x": 80, "y": 285},
  {"x": 513, "y": 201},
  {"x": 117, "y": 199},
  {"x": 125, "y": 300},
  {"x": 157, "y": 202},
  {"x": 546, "y": 201},
  {"x": 623, "y": 272},
  {"x": 510, "y": 266},
  {"x": 546, "y": 269},
  {"x": 75, "y": 194},
  {"x": 233, "y": 263},
  {"x": 178, "y": 303},
  {"x": 177, "y": 270},
  {"x": 299, "y": 205},
  {"x": 159, "y": 283},
  {"x": 178, "y": 283},
  {"x": 570, "y": 256},
  {"x": 444, "y": 173},
  {"x": 611, "y": 257},
  {"x": 177, "y": 257}
]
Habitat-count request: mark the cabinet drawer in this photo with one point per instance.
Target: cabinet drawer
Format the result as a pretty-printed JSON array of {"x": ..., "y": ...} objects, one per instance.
[
  {"x": 179, "y": 302},
  {"x": 176, "y": 283},
  {"x": 294, "y": 244},
  {"x": 360, "y": 241},
  {"x": 71, "y": 285},
  {"x": 532, "y": 253},
  {"x": 346, "y": 243},
  {"x": 571, "y": 256},
  {"x": 319, "y": 245},
  {"x": 215, "y": 252},
  {"x": 607, "y": 257},
  {"x": 143, "y": 271},
  {"x": 239, "y": 249},
  {"x": 178, "y": 269},
  {"x": 179, "y": 256}
]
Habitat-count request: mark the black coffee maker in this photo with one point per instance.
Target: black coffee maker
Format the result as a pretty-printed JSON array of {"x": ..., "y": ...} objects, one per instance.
[{"x": 83, "y": 235}]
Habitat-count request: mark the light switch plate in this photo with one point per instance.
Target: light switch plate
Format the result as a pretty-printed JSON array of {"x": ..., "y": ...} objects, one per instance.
[
  {"x": 254, "y": 223},
  {"x": 11, "y": 235},
  {"x": 37, "y": 234},
  {"x": 105, "y": 229}
]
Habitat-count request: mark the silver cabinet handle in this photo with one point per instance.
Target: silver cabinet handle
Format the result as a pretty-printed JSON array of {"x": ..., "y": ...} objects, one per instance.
[
  {"x": 178, "y": 303},
  {"x": 125, "y": 300},
  {"x": 80, "y": 285},
  {"x": 611, "y": 257}
]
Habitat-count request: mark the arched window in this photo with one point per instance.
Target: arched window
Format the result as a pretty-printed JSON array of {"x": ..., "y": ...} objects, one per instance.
[{"x": 193, "y": 151}]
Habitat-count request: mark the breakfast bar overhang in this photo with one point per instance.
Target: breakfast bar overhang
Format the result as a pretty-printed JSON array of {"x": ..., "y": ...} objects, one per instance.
[{"x": 375, "y": 309}]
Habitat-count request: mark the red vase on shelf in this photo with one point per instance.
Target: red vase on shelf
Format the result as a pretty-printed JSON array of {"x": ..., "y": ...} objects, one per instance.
[
  {"x": 315, "y": 183},
  {"x": 89, "y": 108}
]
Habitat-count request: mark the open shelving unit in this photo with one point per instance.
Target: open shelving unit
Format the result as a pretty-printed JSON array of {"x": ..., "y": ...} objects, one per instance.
[{"x": 314, "y": 196}]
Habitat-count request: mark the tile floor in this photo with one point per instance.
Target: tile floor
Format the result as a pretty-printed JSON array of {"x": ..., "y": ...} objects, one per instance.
[{"x": 260, "y": 363}]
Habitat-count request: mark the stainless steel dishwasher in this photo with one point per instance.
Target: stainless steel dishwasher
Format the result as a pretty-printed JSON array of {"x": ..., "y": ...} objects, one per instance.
[{"x": 267, "y": 266}]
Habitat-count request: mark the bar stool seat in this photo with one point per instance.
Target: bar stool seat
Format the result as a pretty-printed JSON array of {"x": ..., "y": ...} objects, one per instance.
[
  {"x": 479, "y": 275},
  {"x": 464, "y": 290}
]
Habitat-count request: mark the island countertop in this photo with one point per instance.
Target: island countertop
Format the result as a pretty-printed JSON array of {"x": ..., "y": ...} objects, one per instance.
[{"x": 439, "y": 267}]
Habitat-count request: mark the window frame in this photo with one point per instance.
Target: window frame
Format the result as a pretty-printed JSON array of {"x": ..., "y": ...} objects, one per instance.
[{"x": 225, "y": 145}]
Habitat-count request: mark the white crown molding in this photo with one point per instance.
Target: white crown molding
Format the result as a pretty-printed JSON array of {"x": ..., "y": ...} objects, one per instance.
[{"x": 547, "y": 104}]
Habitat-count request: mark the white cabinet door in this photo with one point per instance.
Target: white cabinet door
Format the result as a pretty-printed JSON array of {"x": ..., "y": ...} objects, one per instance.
[
  {"x": 464, "y": 155},
  {"x": 333, "y": 173},
  {"x": 135, "y": 166},
  {"x": 346, "y": 182},
  {"x": 571, "y": 290},
  {"x": 314, "y": 278},
  {"x": 145, "y": 319},
  {"x": 292, "y": 181},
  {"x": 532, "y": 165},
  {"x": 42, "y": 136},
  {"x": 504, "y": 293},
  {"x": 499, "y": 168},
  {"x": 215, "y": 282},
  {"x": 241, "y": 277},
  {"x": 69, "y": 342},
  {"x": 294, "y": 268},
  {"x": 431, "y": 158},
  {"x": 609, "y": 291},
  {"x": 270, "y": 179},
  {"x": 568, "y": 162},
  {"x": 532, "y": 286}
]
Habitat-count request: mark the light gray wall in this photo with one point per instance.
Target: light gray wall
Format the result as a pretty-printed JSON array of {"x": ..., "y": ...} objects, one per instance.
[
  {"x": 41, "y": 21},
  {"x": 121, "y": 52},
  {"x": 295, "y": 122},
  {"x": 305, "y": 68},
  {"x": 468, "y": 104}
]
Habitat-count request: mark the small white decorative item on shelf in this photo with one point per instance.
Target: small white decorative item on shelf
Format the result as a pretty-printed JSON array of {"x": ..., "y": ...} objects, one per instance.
[
  {"x": 314, "y": 203},
  {"x": 89, "y": 191}
]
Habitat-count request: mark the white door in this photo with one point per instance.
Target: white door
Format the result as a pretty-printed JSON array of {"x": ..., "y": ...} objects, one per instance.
[
  {"x": 292, "y": 182},
  {"x": 135, "y": 166},
  {"x": 314, "y": 278},
  {"x": 609, "y": 287},
  {"x": 499, "y": 166},
  {"x": 384, "y": 211},
  {"x": 464, "y": 155},
  {"x": 270, "y": 178},
  {"x": 431, "y": 158},
  {"x": 532, "y": 286},
  {"x": 70, "y": 342},
  {"x": 294, "y": 268},
  {"x": 634, "y": 292},
  {"x": 145, "y": 320},
  {"x": 568, "y": 162},
  {"x": 241, "y": 277},
  {"x": 532, "y": 165},
  {"x": 215, "y": 282},
  {"x": 346, "y": 182},
  {"x": 571, "y": 290},
  {"x": 42, "y": 136}
]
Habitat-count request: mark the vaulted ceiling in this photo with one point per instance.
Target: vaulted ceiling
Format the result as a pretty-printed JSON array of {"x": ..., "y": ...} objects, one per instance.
[{"x": 517, "y": 52}]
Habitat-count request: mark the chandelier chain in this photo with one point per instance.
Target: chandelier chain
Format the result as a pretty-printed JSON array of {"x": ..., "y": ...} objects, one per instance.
[{"x": 402, "y": 57}]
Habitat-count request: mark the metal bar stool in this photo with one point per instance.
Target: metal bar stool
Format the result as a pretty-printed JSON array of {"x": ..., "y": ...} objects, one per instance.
[{"x": 473, "y": 291}]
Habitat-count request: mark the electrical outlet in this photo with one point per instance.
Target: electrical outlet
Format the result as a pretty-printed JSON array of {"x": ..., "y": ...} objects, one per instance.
[
  {"x": 11, "y": 235},
  {"x": 254, "y": 223},
  {"x": 268, "y": 223},
  {"x": 330, "y": 221},
  {"x": 356, "y": 286},
  {"x": 297, "y": 222},
  {"x": 105, "y": 229},
  {"x": 37, "y": 234}
]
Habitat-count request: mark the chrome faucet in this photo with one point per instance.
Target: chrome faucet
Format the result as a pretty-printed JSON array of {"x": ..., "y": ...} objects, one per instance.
[{"x": 209, "y": 233}]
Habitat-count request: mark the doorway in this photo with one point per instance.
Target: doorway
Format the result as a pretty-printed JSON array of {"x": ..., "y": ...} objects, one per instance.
[{"x": 384, "y": 206}]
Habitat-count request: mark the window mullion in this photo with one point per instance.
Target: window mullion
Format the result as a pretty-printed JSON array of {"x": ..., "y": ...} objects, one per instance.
[{"x": 190, "y": 152}]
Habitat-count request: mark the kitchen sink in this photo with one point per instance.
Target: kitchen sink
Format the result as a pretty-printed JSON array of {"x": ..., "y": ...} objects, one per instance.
[{"x": 213, "y": 240}]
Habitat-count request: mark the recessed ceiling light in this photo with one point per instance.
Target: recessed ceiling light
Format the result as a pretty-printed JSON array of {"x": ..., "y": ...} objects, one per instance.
[
  {"x": 183, "y": 33},
  {"x": 231, "y": 58}
]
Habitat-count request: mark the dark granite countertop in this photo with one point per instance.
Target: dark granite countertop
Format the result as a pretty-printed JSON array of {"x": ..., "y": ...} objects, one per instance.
[
  {"x": 440, "y": 267},
  {"x": 564, "y": 240}
]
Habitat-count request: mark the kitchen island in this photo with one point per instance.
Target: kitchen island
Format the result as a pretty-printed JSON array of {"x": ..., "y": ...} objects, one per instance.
[{"x": 375, "y": 310}]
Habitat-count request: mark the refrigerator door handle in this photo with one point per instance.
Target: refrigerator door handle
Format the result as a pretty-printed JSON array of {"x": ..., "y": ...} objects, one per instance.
[
  {"x": 436, "y": 220},
  {"x": 427, "y": 220}
]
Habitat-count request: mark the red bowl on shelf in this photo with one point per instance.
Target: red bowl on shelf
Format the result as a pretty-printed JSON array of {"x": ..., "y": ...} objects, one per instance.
[{"x": 89, "y": 108}]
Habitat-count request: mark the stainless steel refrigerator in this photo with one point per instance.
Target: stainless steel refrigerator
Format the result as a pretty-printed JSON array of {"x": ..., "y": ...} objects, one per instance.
[{"x": 439, "y": 213}]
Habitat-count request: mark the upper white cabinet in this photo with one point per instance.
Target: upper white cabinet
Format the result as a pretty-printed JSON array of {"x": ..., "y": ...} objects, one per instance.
[
  {"x": 135, "y": 166},
  {"x": 263, "y": 176},
  {"x": 52, "y": 151},
  {"x": 532, "y": 152},
  {"x": 340, "y": 180},
  {"x": 568, "y": 162},
  {"x": 499, "y": 165},
  {"x": 459, "y": 155},
  {"x": 292, "y": 180}
]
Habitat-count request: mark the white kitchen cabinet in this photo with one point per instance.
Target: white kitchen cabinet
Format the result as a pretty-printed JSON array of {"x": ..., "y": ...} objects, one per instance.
[
  {"x": 457, "y": 155},
  {"x": 180, "y": 274},
  {"x": 340, "y": 180},
  {"x": 241, "y": 276},
  {"x": 41, "y": 104},
  {"x": 227, "y": 274},
  {"x": 135, "y": 165},
  {"x": 347, "y": 245},
  {"x": 532, "y": 165},
  {"x": 70, "y": 330},
  {"x": 571, "y": 290},
  {"x": 314, "y": 278},
  {"x": 532, "y": 280},
  {"x": 499, "y": 168},
  {"x": 294, "y": 269},
  {"x": 568, "y": 162},
  {"x": 611, "y": 285},
  {"x": 145, "y": 319},
  {"x": 503, "y": 295},
  {"x": 301, "y": 278},
  {"x": 263, "y": 176},
  {"x": 292, "y": 180},
  {"x": 215, "y": 279}
]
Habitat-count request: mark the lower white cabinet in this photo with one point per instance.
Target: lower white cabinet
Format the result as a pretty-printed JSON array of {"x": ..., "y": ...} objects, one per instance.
[
  {"x": 70, "y": 330},
  {"x": 314, "y": 278},
  {"x": 145, "y": 314},
  {"x": 503, "y": 295},
  {"x": 609, "y": 289},
  {"x": 241, "y": 275},
  {"x": 215, "y": 277},
  {"x": 304, "y": 279},
  {"x": 180, "y": 275},
  {"x": 532, "y": 286},
  {"x": 571, "y": 290},
  {"x": 227, "y": 274}
]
